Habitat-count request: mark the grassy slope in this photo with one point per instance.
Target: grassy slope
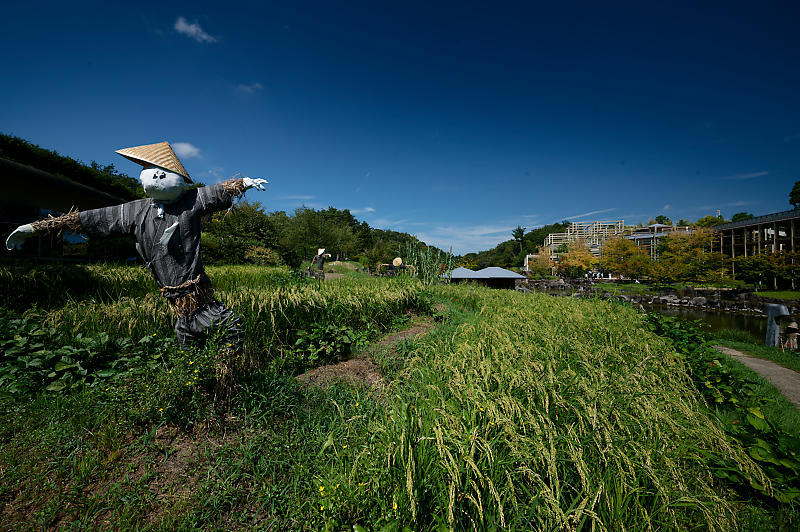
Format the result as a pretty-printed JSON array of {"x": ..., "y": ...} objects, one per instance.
[
  {"x": 780, "y": 294},
  {"x": 530, "y": 412}
]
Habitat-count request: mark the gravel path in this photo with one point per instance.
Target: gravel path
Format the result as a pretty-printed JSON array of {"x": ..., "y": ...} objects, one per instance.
[{"x": 785, "y": 380}]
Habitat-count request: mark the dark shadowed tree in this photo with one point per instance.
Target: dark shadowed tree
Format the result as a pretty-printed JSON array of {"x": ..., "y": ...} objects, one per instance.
[
  {"x": 794, "y": 195},
  {"x": 710, "y": 221},
  {"x": 739, "y": 216}
]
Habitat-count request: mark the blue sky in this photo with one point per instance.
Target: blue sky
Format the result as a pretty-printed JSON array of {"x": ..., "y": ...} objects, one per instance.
[{"x": 452, "y": 121}]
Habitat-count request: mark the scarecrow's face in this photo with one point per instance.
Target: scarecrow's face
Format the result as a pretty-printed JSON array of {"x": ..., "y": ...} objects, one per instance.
[{"x": 161, "y": 184}]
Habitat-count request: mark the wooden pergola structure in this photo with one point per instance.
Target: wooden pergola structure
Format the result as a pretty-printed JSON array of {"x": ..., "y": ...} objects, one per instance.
[{"x": 760, "y": 235}]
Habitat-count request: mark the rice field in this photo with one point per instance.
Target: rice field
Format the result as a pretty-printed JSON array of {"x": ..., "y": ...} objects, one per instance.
[{"x": 513, "y": 412}]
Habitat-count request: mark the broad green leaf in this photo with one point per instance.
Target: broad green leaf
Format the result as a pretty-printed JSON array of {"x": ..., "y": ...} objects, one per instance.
[
  {"x": 757, "y": 422},
  {"x": 61, "y": 366},
  {"x": 56, "y": 386}
]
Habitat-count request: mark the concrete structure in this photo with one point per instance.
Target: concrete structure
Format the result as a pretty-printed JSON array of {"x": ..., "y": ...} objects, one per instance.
[
  {"x": 593, "y": 234},
  {"x": 762, "y": 234},
  {"x": 646, "y": 238}
]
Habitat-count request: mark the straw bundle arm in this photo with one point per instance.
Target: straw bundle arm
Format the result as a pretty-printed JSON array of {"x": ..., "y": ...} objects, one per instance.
[
  {"x": 56, "y": 224},
  {"x": 234, "y": 187}
]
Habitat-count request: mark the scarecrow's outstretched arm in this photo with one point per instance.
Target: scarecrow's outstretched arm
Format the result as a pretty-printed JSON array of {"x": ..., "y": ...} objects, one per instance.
[
  {"x": 100, "y": 223},
  {"x": 220, "y": 197},
  {"x": 51, "y": 224}
]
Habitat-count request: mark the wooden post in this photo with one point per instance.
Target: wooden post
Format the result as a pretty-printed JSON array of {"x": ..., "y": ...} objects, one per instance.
[
  {"x": 791, "y": 247},
  {"x": 744, "y": 234},
  {"x": 758, "y": 243},
  {"x": 775, "y": 237},
  {"x": 733, "y": 253},
  {"x": 775, "y": 250}
]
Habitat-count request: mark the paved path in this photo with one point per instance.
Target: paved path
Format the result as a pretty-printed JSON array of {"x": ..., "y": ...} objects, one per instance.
[{"x": 785, "y": 380}]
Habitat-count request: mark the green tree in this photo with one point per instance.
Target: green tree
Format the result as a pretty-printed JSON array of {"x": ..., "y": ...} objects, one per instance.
[
  {"x": 684, "y": 223},
  {"x": 623, "y": 257},
  {"x": 754, "y": 269},
  {"x": 710, "y": 221},
  {"x": 661, "y": 219},
  {"x": 794, "y": 195},
  {"x": 740, "y": 216},
  {"x": 539, "y": 264},
  {"x": 519, "y": 235},
  {"x": 688, "y": 257},
  {"x": 230, "y": 236},
  {"x": 577, "y": 260}
]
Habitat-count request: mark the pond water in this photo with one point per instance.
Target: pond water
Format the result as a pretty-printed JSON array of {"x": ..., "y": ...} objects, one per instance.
[{"x": 755, "y": 324}]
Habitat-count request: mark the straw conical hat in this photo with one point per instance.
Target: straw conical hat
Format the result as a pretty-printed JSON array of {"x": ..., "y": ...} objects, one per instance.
[
  {"x": 320, "y": 251},
  {"x": 397, "y": 261},
  {"x": 159, "y": 154}
]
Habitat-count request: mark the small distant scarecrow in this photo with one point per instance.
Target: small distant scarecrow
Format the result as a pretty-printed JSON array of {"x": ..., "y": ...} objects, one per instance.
[
  {"x": 167, "y": 228},
  {"x": 791, "y": 333},
  {"x": 397, "y": 266},
  {"x": 319, "y": 258}
]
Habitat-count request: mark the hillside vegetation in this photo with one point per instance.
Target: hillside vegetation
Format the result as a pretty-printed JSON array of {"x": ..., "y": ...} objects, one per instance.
[{"x": 104, "y": 178}]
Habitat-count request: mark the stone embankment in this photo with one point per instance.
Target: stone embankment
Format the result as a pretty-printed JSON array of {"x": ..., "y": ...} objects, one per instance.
[{"x": 726, "y": 300}]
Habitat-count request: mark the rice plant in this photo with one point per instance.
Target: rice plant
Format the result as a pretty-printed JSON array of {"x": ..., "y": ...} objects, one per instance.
[{"x": 541, "y": 413}]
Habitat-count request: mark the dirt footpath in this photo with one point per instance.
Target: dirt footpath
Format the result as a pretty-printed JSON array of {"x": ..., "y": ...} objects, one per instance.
[
  {"x": 785, "y": 380},
  {"x": 361, "y": 369}
]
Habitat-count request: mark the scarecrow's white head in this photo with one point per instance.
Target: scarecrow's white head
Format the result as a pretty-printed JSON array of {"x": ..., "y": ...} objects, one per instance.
[
  {"x": 162, "y": 184},
  {"x": 164, "y": 178}
]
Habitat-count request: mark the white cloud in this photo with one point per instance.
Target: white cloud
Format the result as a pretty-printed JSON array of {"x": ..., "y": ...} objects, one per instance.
[
  {"x": 386, "y": 223},
  {"x": 192, "y": 30},
  {"x": 297, "y": 198},
  {"x": 466, "y": 238},
  {"x": 249, "y": 88},
  {"x": 584, "y": 215},
  {"x": 791, "y": 138},
  {"x": 365, "y": 210},
  {"x": 666, "y": 207},
  {"x": 746, "y": 176},
  {"x": 741, "y": 203},
  {"x": 186, "y": 150}
]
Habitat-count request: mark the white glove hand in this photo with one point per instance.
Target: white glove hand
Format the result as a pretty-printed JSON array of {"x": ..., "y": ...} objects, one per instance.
[
  {"x": 258, "y": 184},
  {"x": 15, "y": 239}
]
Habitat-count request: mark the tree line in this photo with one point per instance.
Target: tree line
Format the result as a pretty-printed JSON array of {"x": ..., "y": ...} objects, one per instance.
[
  {"x": 249, "y": 234},
  {"x": 683, "y": 257}
]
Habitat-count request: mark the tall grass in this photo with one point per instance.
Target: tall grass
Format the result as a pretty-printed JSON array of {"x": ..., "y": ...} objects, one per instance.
[
  {"x": 272, "y": 312},
  {"x": 544, "y": 413},
  {"x": 51, "y": 285},
  {"x": 429, "y": 262}
]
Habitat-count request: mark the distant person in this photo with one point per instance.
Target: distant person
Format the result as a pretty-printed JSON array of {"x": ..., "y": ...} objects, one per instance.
[{"x": 319, "y": 258}]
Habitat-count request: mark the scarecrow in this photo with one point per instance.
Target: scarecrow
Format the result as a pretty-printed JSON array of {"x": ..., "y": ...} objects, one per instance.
[
  {"x": 397, "y": 266},
  {"x": 319, "y": 258},
  {"x": 791, "y": 333},
  {"x": 166, "y": 226}
]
